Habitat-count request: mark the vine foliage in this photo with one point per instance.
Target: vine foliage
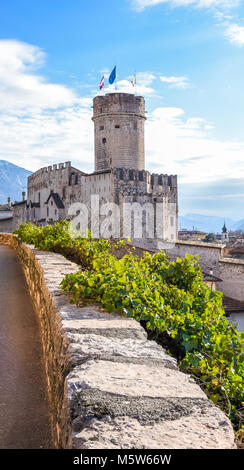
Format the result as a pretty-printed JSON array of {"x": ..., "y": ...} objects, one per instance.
[{"x": 169, "y": 297}]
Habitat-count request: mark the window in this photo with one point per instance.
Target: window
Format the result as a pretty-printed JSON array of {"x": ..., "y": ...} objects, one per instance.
[
  {"x": 117, "y": 126},
  {"x": 104, "y": 140},
  {"x": 160, "y": 180},
  {"x": 51, "y": 203},
  {"x": 131, "y": 176},
  {"x": 140, "y": 176},
  {"x": 172, "y": 221},
  {"x": 101, "y": 128},
  {"x": 39, "y": 198},
  {"x": 47, "y": 211}
]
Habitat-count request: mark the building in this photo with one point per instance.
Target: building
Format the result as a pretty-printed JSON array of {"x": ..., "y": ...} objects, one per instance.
[
  {"x": 234, "y": 310},
  {"x": 225, "y": 234},
  {"x": 6, "y": 217},
  {"x": 119, "y": 178},
  {"x": 196, "y": 235}
]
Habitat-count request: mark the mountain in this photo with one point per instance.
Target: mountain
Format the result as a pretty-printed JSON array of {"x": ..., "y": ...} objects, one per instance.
[
  {"x": 207, "y": 223},
  {"x": 13, "y": 180},
  {"x": 238, "y": 225}
]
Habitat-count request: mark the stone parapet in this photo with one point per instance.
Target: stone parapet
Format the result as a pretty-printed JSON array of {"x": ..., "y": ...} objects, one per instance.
[{"x": 109, "y": 386}]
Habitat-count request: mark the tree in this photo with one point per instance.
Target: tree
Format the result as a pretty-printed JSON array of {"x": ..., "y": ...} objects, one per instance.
[{"x": 210, "y": 238}]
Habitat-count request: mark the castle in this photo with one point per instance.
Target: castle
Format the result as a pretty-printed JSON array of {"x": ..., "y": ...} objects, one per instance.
[{"x": 119, "y": 176}]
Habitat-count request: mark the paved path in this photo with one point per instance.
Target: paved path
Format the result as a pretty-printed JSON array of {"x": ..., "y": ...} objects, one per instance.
[{"x": 24, "y": 411}]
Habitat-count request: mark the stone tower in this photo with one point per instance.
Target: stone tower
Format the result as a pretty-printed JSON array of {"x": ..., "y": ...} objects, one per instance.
[
  {"x": 119, "y": 131},
  {"x": 225, "y": 234}
]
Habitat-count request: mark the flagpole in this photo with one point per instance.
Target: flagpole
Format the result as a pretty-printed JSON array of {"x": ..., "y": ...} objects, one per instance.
[{"x": 116, "y": 88}]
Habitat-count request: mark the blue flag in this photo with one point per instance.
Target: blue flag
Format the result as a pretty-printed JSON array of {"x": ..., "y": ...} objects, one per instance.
[{"x": 112, "y": 77}]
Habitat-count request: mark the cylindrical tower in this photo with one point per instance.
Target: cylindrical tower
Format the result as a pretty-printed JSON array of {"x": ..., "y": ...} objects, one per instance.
[{"x": 119, "y": 131}]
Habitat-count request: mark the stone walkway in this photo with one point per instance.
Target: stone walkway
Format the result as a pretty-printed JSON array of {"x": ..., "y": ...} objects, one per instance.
[{"x": 24, "y": 410}]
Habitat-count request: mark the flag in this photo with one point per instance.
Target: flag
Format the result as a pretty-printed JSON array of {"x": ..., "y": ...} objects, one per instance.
[
  {"x": 102, "y": 83},
  {"x": 134, "y": 80},
  {"x": 112, "y": 77}
]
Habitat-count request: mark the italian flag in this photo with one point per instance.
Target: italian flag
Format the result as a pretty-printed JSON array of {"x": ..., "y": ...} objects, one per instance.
[{"x": 134, "y": 80}]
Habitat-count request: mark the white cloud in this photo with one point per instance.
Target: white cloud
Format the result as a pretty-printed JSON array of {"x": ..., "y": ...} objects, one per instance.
[
  {"x": 235, "y": 34},
  {"x": 20, "y": 88},
  {"x": 142, "y": 4},
  {"x": 186, "y": 147},
  {"x": 176, "y": 82},
  {"x": 143, "y": 82},
  {"x": 40, "y": 122},
  {"x": 220, "y": 8}
]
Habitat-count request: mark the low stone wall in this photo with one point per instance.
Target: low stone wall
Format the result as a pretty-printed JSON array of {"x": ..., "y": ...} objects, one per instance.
[
  {"x": 208, "y": 253},
  {"x": 109, "y": 386},
  {"x": 231, "y": 271},
  {"x": 6, "y": 225}
]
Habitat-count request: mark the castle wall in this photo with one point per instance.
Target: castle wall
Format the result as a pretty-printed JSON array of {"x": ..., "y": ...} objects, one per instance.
[
  {"x": 98, "y": 183},
  {"x": 59, "y": 179}
]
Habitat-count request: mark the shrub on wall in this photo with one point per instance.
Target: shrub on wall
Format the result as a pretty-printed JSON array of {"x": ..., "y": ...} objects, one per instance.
[{"x": 169, "y": 297}]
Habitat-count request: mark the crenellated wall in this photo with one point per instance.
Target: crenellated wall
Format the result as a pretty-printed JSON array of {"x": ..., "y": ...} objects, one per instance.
[{"x": 109, "y": 387}]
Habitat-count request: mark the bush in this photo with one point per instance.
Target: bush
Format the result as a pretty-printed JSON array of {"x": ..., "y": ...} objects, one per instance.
[{"x": 58, "y": 238}]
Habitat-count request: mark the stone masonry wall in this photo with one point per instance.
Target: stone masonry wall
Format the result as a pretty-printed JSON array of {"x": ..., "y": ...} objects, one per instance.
[
  {"x": 6, "y": 225},
  {"x": 119, "y": 131},
  {"x": 109, "y": 386},
  {"x": 208, "y": 253},
  {"x": 231, "y": 271}
]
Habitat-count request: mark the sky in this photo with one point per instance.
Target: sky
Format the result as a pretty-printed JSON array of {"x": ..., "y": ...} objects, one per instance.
[{"x": 189, "y": 59}]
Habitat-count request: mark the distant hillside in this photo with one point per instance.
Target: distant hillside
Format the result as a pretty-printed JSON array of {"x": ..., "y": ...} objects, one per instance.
[
  {"x": 207, "y": 223},
  {"x": 13, "y": 180},
  {"x": 238, "y": 225}
]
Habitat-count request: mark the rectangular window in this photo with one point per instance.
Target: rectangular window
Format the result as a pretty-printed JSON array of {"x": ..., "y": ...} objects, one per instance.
[
  {"x": 101, "y": 128},
  {"x": 117, "y": 126},
  {"x": 172, "y": 221}
]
